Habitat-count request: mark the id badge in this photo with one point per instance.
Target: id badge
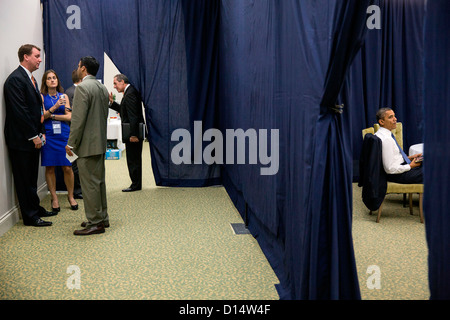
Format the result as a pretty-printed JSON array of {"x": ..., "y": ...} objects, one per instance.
[{"x": 56, "y": 127}]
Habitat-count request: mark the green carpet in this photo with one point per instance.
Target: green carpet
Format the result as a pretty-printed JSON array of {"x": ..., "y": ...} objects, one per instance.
[
  {"x": 163, "y": 243},
  {"x": 396, "y": 245}
]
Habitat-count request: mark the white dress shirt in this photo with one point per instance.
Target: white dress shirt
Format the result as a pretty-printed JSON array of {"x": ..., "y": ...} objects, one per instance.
[
  {"x": 28, "y": 72},
  {"x": 392, "y": 158}
]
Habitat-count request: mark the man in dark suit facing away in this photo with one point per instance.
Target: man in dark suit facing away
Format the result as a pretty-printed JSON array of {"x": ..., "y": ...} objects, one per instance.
[
  {"x": 24, "y": 134},
  {"x": 130, "y": 110},
  {"x": 77, "y": 193},
  {"x": 71, "y": 90}
]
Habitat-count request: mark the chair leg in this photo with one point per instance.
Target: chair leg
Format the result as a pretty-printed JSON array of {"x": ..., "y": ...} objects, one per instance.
[
  {"x": 379, "y": 212},
  {"x": 421, "y": 207},
  {"x": 410, "y": 204}
]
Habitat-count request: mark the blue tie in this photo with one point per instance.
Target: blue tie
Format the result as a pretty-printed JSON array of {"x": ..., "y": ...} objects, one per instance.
[{"x": 401, "y": 151}]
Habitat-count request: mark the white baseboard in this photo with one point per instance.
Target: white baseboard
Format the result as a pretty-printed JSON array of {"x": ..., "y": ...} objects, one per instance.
[
  {"x": 9, "y": 219},
  {"x": 42, "y": 191}
]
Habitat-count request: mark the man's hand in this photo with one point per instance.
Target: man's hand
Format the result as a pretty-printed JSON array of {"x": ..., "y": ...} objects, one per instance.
[
  {"x": 415, "y": 156},
  {"x": 415, "y": 164},
  {"x": 69, "y": 151},
  {"x": 134, "y": 139},
  {"x": 111, "y": 98},
  {"x": 37, "y": 143}
]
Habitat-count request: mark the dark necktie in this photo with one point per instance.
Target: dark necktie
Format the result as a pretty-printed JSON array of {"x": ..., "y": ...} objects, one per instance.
[
  {"x": 401, "y": 150},
  {"x": 36, "y": 88},
  {"x": 34, "y": 83}
]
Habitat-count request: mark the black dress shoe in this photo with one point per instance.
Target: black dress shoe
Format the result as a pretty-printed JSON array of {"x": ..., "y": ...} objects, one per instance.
[
  {"x": 90, "y": 230},
  {"x": 130, "y": 189},
  {"x": 78, "y": 196},
  {"x": 48, "y": 213},
  {"x": 39, "y": 223}
]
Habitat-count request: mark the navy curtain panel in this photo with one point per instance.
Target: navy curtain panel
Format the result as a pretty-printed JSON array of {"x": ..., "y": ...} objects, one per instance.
[
  {"x": 388, "y": 71},
  {"x": 279, "y": 62},
  {"x": 327, "y": 255},
  {"x": 72, "y": 30},
  {"x": 202, "y": 53},
  {"x": 155, "y": 45},
  {"x": 437, "y": 146}
]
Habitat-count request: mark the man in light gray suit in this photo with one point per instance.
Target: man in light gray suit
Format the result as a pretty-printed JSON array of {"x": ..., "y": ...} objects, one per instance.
[{"x": 88, "y": 141}]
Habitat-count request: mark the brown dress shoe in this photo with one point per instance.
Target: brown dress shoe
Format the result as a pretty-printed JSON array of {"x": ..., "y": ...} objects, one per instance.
[
  {"x": 84, "y": 224},
  {"x": 99, "y": 228}
]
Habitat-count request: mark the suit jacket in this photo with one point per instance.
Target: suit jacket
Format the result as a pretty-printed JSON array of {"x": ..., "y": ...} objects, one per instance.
[
  {"x": 89, "y": 118},
  {"x": 130, "y": 109},
  {"x": 70, "y": 93},
  {"x": 23, "y": 111},
  {"x": 372, "y": 177}
]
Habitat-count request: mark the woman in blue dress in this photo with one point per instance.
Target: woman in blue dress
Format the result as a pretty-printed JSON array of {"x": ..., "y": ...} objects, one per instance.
[{"x": 57, "y": 129}]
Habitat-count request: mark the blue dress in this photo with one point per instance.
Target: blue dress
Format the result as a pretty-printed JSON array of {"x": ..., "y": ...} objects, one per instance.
[{"x": 53, "y": 153}]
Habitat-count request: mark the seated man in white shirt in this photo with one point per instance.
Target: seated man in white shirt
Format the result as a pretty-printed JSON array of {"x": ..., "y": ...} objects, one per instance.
[{"x": 398, "y": 166}]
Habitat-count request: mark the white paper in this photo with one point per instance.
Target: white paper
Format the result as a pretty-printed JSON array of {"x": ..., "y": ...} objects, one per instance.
[{"x": 72, "y": 158}]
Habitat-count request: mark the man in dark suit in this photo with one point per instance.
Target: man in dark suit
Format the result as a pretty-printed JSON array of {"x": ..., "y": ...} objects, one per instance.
[
  {"x": 24, "y": 134},
  {"x": 71, "y": 90},
  {"x": 130, "y": 110}
]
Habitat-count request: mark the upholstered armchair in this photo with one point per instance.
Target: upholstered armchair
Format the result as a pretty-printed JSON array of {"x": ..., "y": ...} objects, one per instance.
[{"x": 398, "y": 188}]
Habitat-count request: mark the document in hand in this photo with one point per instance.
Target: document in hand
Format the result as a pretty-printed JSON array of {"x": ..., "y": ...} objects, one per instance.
[{"x": 72, "y": 158}]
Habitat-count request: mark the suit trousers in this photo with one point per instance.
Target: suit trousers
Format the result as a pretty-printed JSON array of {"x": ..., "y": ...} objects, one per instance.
[
  {"x": 76, "y": 179},
  {"x": 92, "y": 178},
  {"x": 412, "y": 176},
  {"x": 134, "y": 163},
  {"x": 25, "y": 169}
]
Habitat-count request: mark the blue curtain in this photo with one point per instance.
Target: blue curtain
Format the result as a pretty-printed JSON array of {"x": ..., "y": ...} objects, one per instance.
[
  {"x": 277, "y": 67},
  {"x": 437, "y": 146},
  {"x": 72, "y": 30},
  {"x": 156, "y": 47},
  {"x": 327, "y": 256},
  {"x": 155, "y": 36},
  {"x": 202, "y": 36}
]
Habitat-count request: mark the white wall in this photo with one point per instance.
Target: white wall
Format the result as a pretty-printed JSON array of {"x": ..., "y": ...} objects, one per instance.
[
  {"x": 20, "y": 23},
  {"x": 110, "y": 70}
]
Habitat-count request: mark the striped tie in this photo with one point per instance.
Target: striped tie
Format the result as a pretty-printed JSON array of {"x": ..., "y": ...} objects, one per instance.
[
  {"x": 36, "y": 88},
  {"x": 34, "y": 83}
]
